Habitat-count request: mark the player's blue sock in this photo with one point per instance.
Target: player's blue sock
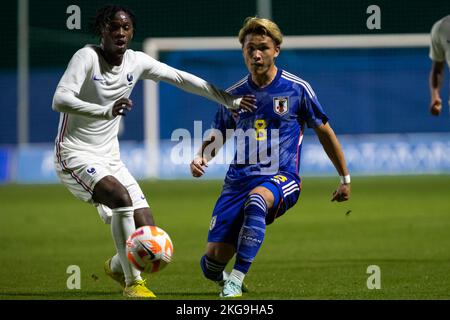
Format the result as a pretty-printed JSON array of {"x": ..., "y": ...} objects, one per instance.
[
  {"x": 212, "y": 269},
  {"x": 252, "y": 232}
]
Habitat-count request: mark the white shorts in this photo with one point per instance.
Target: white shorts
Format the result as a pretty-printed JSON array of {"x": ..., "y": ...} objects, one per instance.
[{"x": 81, "y": 174}]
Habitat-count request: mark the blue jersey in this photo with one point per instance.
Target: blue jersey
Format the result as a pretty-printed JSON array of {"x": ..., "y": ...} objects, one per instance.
[{"x": 269, "y": 140}]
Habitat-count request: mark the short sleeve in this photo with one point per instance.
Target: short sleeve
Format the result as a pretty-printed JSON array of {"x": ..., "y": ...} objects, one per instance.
[
  {"x": 77, "y": 70},
  {"x": 437, "y": 52},
  {"x": 310, "y": 110}
]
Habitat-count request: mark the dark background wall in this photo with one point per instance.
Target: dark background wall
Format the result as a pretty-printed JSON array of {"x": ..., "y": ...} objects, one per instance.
[
  {"x": 385, "y": 90},
  {"x": 52, "y": 44}
]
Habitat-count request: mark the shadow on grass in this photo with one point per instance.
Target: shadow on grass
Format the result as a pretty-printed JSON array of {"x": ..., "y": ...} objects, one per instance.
[
  {"x": 97, "y": 295},
  {"x": 187, "y": 294}
]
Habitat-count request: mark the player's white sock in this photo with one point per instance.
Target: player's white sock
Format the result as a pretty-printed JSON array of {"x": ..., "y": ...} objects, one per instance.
[
  {"x": 122, "y": 226},
  {"x": 237, "y": 276},
  {"x": 115, "y": 265}
]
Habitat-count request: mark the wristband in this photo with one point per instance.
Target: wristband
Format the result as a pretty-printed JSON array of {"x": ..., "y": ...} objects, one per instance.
[{"x": 345, "y": 179}]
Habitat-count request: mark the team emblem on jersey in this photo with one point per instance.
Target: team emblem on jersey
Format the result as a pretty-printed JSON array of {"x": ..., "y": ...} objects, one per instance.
[
  {"x": 281, "y": 105},
  {"x": 130, "y": 79}
]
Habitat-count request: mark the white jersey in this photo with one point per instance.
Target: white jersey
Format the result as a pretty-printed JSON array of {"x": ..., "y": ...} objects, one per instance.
[
  {"x": 90, "y": 87},
  {"x": 440, "y": 41}
]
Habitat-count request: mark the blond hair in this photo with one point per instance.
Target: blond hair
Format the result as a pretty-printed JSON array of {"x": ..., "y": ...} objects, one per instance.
[{"x": 260, "y": 26}]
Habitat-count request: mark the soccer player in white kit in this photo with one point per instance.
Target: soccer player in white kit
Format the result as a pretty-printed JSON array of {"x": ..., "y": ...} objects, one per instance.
[
  {"x": 91, "y": 96},
  {"x": 439, "y": 53}
]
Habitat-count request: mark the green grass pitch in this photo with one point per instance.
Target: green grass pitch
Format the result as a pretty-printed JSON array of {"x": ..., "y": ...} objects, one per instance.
[{"x": 317, "y": 250}]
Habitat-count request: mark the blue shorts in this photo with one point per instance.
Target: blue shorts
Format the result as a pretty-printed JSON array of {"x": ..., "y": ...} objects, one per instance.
[{"x": 228, "y": 214}]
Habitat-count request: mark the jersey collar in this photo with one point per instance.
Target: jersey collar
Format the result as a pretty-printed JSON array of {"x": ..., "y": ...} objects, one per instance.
[{"x": 273, "y": 83}]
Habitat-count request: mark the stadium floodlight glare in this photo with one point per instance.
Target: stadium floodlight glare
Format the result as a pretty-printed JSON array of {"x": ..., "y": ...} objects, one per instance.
[{"x": 153, "y": 46}]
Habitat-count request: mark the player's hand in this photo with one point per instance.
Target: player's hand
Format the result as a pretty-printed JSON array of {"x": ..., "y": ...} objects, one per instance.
[
  {"x": 120, "y": 106},
  {"x": 246, "y": 102},
  {"x": 197, "y": 166},
  {"x": 436, "y": 107},
  {"x": 342, "y": 193}
]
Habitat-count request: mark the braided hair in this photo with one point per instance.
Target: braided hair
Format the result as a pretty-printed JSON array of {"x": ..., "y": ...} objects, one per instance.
[{"x": 105, "y": 14}]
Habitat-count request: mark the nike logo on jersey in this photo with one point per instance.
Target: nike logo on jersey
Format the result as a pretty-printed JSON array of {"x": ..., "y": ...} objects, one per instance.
[{"x": 97, "y": 78}]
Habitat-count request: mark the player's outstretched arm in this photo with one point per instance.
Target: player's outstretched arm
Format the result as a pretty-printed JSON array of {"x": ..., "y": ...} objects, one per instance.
[
  {"x": 246, "y": 102},
  {"x": 196, "y": 85},
  {"x": 333, "y": 149},
  {"x": 157, "y": 71},
  {"x": 435, "y": 82}
]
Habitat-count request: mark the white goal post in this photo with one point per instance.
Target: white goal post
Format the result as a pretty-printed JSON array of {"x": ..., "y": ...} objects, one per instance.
[{"x": 153, "y": 46}]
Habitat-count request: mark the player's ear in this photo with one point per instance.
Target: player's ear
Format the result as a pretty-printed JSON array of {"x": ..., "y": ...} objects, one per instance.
[
  {"x": 103, "y": 32},
  {"x": 277, "y": 51}
]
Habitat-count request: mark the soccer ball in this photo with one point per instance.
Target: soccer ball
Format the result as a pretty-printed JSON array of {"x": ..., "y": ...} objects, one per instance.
[{"x": 149, "y": 249}]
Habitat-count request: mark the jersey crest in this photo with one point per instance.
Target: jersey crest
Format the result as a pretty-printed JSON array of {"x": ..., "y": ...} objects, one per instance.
[
  {"x": 281, "y": 105},
  {"x": 130, "y": 79}
]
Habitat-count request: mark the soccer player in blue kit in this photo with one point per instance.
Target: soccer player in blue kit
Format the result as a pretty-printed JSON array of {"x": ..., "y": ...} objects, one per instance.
[{"x": 263, "y": 181}]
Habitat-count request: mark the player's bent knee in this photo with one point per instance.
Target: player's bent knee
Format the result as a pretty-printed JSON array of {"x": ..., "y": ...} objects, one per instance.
[
  {"x": 265, "y": 193},
  {"x": 220, "y": 251},
  {"x": 111, "y": 193},
  {"x": 121, "y": 199}
]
